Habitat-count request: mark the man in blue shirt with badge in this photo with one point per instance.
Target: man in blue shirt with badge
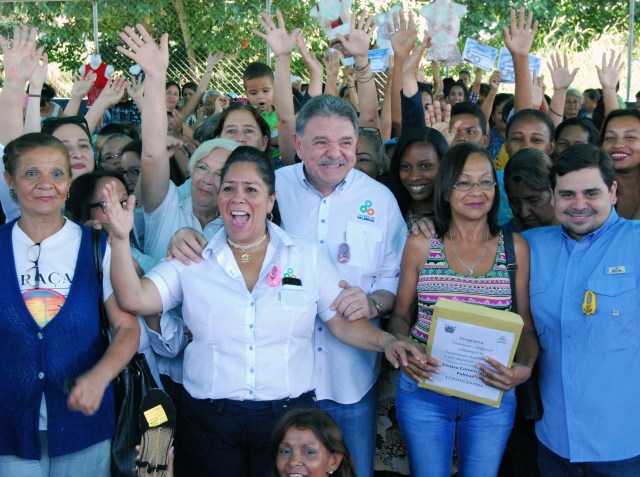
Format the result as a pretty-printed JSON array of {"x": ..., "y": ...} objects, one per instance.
[{"x": 586, "y": 307}]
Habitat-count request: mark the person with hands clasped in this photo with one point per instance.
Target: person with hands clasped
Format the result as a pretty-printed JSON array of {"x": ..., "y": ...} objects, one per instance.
[
  {"x": 464, "y": 261},
  {"x": 252, "y": 355}
]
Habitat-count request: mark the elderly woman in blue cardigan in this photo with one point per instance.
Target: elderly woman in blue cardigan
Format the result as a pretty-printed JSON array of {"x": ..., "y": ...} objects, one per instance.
[{"x": 56, "y": 400}]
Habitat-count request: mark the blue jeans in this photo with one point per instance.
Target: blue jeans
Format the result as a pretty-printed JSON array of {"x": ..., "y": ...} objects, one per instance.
[
  {"x": 357, "y": 422},
  {"x": 431, "y": 423},
  {"x": 553, "y": 465},
  {"x": 94, "y": 461}
]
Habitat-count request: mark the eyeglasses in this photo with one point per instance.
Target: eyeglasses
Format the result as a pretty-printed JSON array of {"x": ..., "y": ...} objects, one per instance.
[
  {"x": 204, "y": 169},
  {"x": 465, "y": 186},
  {"x": 111, "y": 158},
  {"x": 370, "y": 130},
  {"x": 33, "y": 255},
  {"x": 131, "y": 173},
  {"x": 102, "y": 204},
  {"x": 49, "y": 125}
]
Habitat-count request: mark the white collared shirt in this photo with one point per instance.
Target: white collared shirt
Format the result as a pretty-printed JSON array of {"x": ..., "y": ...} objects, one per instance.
[
  {"x": 250, "y": 346},
  {"x": 170, "y": 216},
  {"x": 364, "y": 214}
]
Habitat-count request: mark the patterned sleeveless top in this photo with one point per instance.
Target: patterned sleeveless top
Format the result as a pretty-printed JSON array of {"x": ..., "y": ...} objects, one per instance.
[{"x": 437, "y": 280}]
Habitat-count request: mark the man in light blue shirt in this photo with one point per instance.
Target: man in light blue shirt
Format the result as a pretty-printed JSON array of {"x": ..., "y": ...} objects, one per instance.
[{"x": 586, "y": 307}]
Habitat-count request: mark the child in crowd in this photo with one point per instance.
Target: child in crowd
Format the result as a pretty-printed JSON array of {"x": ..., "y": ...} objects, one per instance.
[{"x": 258, "y": 88}]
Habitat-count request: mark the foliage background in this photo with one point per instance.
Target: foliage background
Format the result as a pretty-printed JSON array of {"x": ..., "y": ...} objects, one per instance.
[{"x": 582, "y": 28}]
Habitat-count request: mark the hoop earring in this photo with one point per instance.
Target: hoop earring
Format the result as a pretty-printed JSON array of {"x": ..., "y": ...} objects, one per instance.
[
  {"x": 12, "y": 193},
  {"x": 270, "y": 216}
]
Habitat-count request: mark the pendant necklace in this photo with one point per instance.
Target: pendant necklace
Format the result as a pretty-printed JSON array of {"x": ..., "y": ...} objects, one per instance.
[
  {"x": 469, "y": 268},
  {"x": 245, "y": 257}
]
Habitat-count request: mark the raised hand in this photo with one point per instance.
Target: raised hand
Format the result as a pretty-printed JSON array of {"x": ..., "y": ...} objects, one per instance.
[
  {"x": 495, "y": 79},
  {"x": 609, "y": 72},
  {"x": 39, "y": 75},
  {"x": 411, "y": 63},
  {"x": 280, "y": 42},
  {"x": 357, "y": 42},
  {"x": 519, "y": 37},
  {"x": 152, "y": 58},
  {"x": 21, "y": 57},
  {"x": 310, "y": 60},
  {"x": 82, "y": 85},
  {"x": 560, "y": 74},
  {"x": 331, "y": 62},
  {"x": 439, "y": 121},
  {"x": 402, "y": 34},
  {"x": 136, "y": 89},
  {"x": 537, "y": 91},
  {"x": 212, "y": 61},
  {"x": 113, "y": 91},
  {"x": 120, "y": 220}
]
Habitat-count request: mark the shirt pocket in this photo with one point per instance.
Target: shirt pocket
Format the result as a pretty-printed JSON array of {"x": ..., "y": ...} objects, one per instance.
[
  {"x": 614, "y": 326},
  {"x": 537, "y": 294},
  {"x": 365, "y": 246}
]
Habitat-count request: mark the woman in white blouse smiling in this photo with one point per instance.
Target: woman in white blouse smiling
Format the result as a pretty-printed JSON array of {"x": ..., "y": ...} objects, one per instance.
[{"x": 251, "y": 305}]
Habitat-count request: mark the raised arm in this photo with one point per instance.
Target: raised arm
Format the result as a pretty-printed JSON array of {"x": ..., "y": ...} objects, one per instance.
[
  {"x": 32, "y": 114},
  {"x": 203, "y": 85},
  {"x": 153, "y": 59},
  {"x": 385, "y": 115},
  {"x": 412, "y": 108},
  {"x": 487, "y": 104},
  {"x": 332, "y": 65},
  {"x": 108, "y": 97},
  {"x": 81, "y": 87},
  {"x": 403, "y": 36},
  {"x": 282, "y": 44},
  {"x": 475, "y": 87},
  {"x": 313, "y": 67},
  {"x": 357, "y": 43},
  {"x": 136, "y": 295},
  {"x": 518, "y": 39},
  {"x": 609, "y": 75},
  {"x": 20, "y": 59},
  {"x": 562, "y": 79}
]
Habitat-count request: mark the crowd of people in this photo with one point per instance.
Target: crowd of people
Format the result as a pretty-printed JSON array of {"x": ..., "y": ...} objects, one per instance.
[{"x": 265, "y": 253}]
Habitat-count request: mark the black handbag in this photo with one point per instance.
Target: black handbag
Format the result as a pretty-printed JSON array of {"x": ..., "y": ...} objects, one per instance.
[
  {"x": 129, "y": 388},
  {"x": 528, "y": 393}
]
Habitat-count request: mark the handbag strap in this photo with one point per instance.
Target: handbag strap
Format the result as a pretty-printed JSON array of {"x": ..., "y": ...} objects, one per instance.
[
  {"x": 96, "y": 241},
  {"x": 512, "y": 266}
]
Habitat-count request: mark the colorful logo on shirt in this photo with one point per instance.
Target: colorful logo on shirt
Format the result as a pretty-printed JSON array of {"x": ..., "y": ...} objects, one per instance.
[
  {"x": 289, "y": 273},
  {"x": 43, "y": 304},
  {"x": 367, "y": 212}
]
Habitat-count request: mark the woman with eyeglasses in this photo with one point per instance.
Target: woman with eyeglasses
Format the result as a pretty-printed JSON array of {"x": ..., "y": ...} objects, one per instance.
[
  {"x": 465, "y": 261},
  {"x": 57, "y": 408}
]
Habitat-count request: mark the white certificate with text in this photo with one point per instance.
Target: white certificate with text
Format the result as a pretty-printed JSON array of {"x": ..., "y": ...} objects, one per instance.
[{"x": 460, "y": 346}]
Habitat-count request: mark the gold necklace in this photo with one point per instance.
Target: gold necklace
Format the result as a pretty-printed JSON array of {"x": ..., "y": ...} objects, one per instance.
[
  {"x": 245, "y": 257},
  {"x": 469, "y": 268}
]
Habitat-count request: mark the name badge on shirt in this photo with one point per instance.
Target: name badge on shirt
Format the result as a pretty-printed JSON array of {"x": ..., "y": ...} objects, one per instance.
[
  {"x": 616, "y": 270},
  {"x": 293, "y": 296},
  {"x": 364, "y": 231}
]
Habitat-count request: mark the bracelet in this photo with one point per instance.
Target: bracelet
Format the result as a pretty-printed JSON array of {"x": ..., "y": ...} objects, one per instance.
[
  {"x": 552, "y": 111},
  {"x": 376, "y": 304},
  {"x": 34, "y": 95},
  {"x": 364, "y": 80},
  {"x": 362, "y": 69}
]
